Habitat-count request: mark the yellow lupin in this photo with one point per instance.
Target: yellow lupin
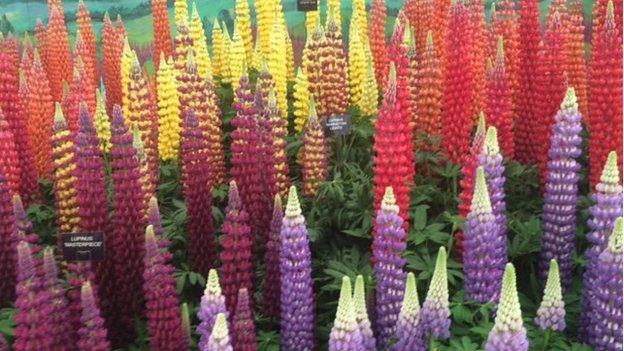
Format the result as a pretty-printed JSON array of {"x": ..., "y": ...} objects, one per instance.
[
  {"x": 256, "y": 62},
  {"x": 237, "y": 57},
  {"x": 265, "y": 16},
  {"x": 311, "y": 19},
  {"x": 359, "y": 10},
  {"x": 370, "y": 95},
  {"x": 217, "y": 48},
  {"x": 196, "y": 27},
  {"x": 102, "y": 122},
  {"x": 243, "y": 22},
  {"x": 302, "y": 100},
  {"x": 168, "y": 111},
  {"x": 127, "y": 57},
  {"x": 357, "y": 62},
  {"x": 290, "y": 56},
  {"x": 334, "y": 7},
  {"x": 277, "y": 62},
  {"x": 180, "y": 10},
  {"x": 226, "y": 68}
]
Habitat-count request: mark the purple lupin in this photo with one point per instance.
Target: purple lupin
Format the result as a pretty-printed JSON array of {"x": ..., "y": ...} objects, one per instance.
[
  {"x": 388, "y": 246},
  {"x": 607, "y": 207},
  {"x": 409, "y": 331},
  {"x": 212, "y": 304},
  {"x": 345, "y": 334},
  {"x": 561, "y": 191},
  {"x": 551, "y": 313},
  {"x": 491, "y": 160},
  {"x": 435, "y": 313},
  {"x": 605, "y": 328},
  {"x": 296, "y": 302},
  {"x": 482, "y": 271}
]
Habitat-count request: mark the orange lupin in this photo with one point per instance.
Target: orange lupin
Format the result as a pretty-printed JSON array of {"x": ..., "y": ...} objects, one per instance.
[
  {"x": 88, "y": 73},
  {"x": 505, "y": 24},
  {"x": 85, "y": 28},
  {"x": 550, "y": 89},
  {"x": 42, "y": 43},
  {"x": 479, "y": 54},
  {"x": 162, "y": 32},
  {"x": 78, "y": 93},
  {"x": 430, "y": 93},
  {"x": 40, "y": 112},
  {"x": 575, "y": 55},
  {"x": 112, "y": 47},
  {"x": 9, "y": 162},
  {"x": 378, "y": 43},
  {"x": 499, "y": 105},
  {"x": 59, "y": 56}
]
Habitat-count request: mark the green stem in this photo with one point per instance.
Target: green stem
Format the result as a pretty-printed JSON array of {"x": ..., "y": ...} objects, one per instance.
[
  {"x": 431, "y": 343},
  {"x": 546, "y": 339}
]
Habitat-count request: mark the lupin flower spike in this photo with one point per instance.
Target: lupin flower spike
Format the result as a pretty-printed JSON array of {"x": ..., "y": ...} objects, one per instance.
[
  {"x": 212, "y": 304},
  {"x": 551, "y": 313},
  {"x": 607, "y": 207},
  {"x": 297, "y": 310},
  {"x": 361, "y": 315},
  {"x": 220, "y": 337},
  {"x": 435, "y": 313},
  {"x": 508, "y": 333},
  {"x": 482, "y": 272},
  {"x": 605, "y": 328},
  {"x": 92, "y": 335},
  {"x": 345, "y": 335},
  {"x": 561, "y": 191},
  {"x": 409, "y": 330},
  {"x": 388, "y": 247}
]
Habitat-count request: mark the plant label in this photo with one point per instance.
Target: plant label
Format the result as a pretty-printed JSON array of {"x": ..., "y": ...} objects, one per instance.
[
  {"x": 338, "y": 125},
  {"x": 307, "y": 5},
  {"x": 83, "y": 246}
]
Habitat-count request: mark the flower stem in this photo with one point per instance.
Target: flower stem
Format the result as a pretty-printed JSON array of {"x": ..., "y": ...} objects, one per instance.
[{"x": 546, "y": 339}]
